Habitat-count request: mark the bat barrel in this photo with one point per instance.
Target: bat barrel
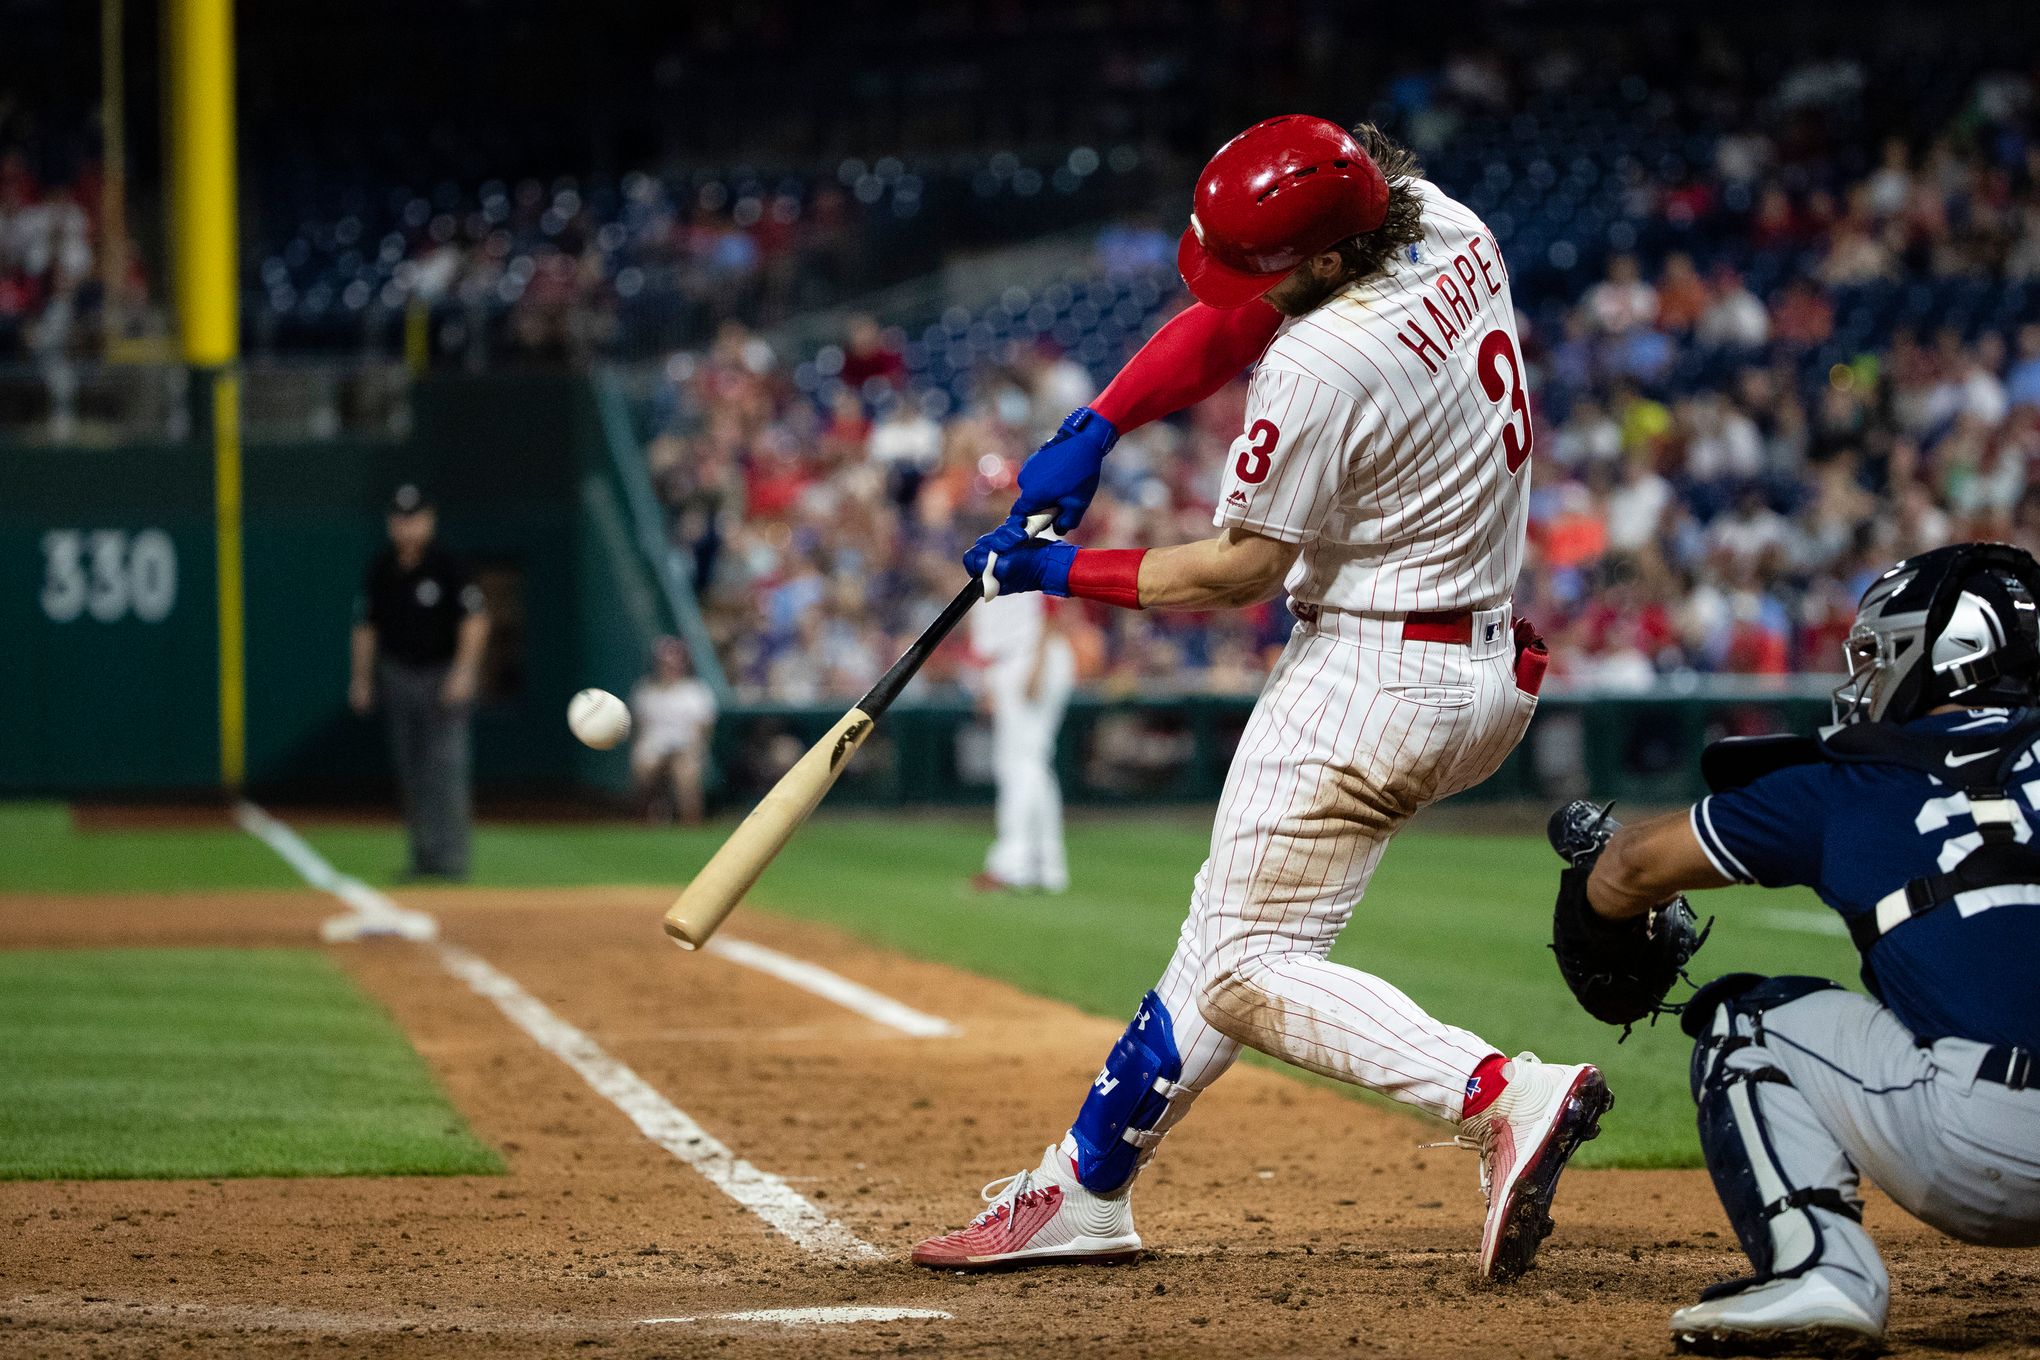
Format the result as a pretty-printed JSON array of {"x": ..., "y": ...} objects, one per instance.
[
  {"x": 730, "y": 872},
  {"x": 736, "y": 865}
]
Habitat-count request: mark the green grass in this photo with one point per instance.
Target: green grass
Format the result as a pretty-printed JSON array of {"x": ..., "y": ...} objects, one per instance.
[
  {"x": 210, "y": 1063},
  {"x": 1459, "y": 922},
  {"x": 40, "y": 851}
]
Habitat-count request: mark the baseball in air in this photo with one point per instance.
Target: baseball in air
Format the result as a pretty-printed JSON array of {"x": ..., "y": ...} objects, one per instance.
[{"x": 598, "y": 718}]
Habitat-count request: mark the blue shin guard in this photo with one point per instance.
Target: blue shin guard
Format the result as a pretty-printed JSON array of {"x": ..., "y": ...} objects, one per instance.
[{"x": 1127, "y": 1100}]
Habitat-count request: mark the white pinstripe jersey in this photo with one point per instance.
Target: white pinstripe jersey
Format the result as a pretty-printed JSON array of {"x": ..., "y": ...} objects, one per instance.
[{"x": 1388, "y": 432}]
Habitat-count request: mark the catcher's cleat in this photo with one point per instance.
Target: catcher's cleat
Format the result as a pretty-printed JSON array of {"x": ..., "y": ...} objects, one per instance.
[
  {"x": 1038, "y": 1217},
  {"x": 1808, "y": 1315},
  {"x": 1525, "y": 1139}
]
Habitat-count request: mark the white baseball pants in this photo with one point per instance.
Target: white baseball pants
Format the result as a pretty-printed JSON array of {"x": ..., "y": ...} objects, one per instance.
[
  {"x": 1355, "y": 730},
  {"x": 1027, "y": 851}
]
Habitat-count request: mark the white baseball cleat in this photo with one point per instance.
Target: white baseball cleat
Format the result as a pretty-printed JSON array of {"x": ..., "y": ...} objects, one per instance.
[
  {"x": 1810, "y": 1313},
  {"x": 1038, "y": 1217},
  {"x": 1525, "y": 1139}
]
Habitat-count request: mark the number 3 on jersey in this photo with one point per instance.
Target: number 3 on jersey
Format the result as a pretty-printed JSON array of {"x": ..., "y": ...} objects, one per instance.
[
  {"x": 1501, "y": 377},
  {"x": 1252, "y": 467}
]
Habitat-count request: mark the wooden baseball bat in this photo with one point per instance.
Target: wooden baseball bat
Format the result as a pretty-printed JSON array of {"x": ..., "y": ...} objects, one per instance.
[{"x": 736, "y": 864}]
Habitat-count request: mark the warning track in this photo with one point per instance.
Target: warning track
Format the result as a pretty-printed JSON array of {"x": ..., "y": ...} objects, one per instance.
[{"x": 1285, "y": 1219}]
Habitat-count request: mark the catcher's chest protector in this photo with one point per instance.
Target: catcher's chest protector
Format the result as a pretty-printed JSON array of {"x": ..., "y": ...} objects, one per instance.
[{"x": 1976, "y": 761}]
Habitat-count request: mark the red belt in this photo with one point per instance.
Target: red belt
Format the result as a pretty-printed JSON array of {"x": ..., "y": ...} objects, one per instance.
[
  {"x": 1452, "y": 625},
  {"x": 1455, "y": 625}
]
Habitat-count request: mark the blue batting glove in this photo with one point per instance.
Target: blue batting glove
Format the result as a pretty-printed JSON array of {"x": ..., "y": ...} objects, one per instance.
[
  {"x": 1031, "y": 564},
  {"x": 1001, "y": 540},
  {"x": 1062, "y": 475}
]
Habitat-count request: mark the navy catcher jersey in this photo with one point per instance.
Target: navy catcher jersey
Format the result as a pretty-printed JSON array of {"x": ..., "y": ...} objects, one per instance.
[{"x": 1854, "y": 832}]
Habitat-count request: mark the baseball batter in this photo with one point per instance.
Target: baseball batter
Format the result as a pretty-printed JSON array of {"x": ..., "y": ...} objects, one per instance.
[{"x": 1382, "y": 479}]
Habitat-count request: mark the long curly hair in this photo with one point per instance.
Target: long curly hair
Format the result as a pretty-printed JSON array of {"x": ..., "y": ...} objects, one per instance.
[{"x": 1374, "y": 252}]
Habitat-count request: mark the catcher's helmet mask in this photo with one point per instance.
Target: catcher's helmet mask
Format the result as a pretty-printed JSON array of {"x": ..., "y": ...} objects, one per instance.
[{"x": 1957, "y": 624}]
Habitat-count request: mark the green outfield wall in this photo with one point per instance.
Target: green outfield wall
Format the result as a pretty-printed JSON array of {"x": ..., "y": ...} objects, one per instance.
[{"x": 110, "y": 623}]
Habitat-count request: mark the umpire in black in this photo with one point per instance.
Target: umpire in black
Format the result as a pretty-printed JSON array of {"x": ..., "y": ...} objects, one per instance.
[{"x": 419, "y": 631}]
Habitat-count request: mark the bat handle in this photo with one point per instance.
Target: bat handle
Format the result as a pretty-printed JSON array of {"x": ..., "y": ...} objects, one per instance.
[
  {"x": 880, "y": 696},
  {"x": 1037, "y": 525}
]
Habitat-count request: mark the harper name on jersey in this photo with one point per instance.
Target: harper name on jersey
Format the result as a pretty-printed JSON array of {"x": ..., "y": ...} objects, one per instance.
[{"x": 1388, "y": 432}]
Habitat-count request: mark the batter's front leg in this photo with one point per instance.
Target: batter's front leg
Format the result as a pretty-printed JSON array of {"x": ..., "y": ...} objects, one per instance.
[{"x": 1273, "y": 990}]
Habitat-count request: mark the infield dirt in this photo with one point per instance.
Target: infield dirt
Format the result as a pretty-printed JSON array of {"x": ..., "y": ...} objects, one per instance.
[{"x": 1282, "y": 1219}]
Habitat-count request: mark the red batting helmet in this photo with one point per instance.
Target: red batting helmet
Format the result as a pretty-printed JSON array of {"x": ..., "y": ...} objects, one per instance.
[{"x": 1277, "y": 194}]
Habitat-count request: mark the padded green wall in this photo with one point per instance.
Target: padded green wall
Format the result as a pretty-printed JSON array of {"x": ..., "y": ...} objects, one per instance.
[{"x": 130, "y": 706}]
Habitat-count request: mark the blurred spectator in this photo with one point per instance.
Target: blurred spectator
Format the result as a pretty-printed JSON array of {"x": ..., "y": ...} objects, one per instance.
[
  {"x": 1636, "y": 506},
  {"x": 906, "y": 444},
  {"x": 1682, "y": 299},
  {"x": 1735, "y": 318},
  {"x": 1802, "y": 317},
  {"x": 870, "y": 357},
  {"x": 1622, "y": 301},
  {"x": 1056, "y": 384},
  {"x": 673, "y": 716},
  {"x": 2022, "y": 387}
]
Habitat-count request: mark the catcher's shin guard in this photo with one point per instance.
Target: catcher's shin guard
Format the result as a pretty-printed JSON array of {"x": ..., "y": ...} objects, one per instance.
[
  {"x": 1128, "y": 1098},
  {"x": 1788, "y": 1190}
]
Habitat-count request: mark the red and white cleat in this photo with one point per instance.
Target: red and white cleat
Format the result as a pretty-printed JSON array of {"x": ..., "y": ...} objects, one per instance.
[
  {"x": 1525, "y": 1139},
  {"x": 1038, "y": 1217}
]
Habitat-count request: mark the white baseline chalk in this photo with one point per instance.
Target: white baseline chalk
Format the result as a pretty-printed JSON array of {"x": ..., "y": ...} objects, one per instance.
[
  {"x": 852, "y": 996},
  {"x": 778, "y": 1204}
]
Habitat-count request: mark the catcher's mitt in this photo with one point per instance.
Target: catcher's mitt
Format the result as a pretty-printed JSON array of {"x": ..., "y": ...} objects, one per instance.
[{"x": 1619, "y": 970}]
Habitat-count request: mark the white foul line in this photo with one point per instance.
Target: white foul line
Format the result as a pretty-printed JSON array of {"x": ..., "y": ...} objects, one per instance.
[
  {"x": 782, "y": 1207},
  {"x": 1806, "y": 922},
  {"x": 852, "y": 996},
  {"x": 370, "y": 913},
  {"x": 764, "y": 1194},
  {"x": 796, "y": 1317}
]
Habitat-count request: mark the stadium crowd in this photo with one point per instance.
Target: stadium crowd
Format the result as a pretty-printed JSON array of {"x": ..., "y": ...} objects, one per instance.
[
  {"x": 1719, "y": 464},
  {"x": 1783, "y": 314},
  {"x": 48, "y": 247}
]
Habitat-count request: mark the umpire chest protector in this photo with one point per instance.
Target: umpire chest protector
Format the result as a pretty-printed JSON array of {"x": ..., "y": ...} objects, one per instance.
[{"x": 1979, "y": 764}]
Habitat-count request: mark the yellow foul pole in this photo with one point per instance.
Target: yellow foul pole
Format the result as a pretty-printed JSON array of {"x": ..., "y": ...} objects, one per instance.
[{"x": 201, "y": 41}]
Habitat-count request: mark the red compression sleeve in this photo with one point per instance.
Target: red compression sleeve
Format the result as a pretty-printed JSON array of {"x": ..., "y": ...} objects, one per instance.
[
  {"x": 1108, "y": 574},
  {"x": 1198, "y": 351}
]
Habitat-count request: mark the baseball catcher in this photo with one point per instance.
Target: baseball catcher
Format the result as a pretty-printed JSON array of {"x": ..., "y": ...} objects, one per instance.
[{"x": 1912, "y": 817}]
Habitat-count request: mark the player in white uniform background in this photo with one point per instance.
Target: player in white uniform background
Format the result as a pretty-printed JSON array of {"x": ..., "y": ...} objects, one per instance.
[
  {"x": 1029, "y": 669},
  {"x": 1382, "y": 477}
]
